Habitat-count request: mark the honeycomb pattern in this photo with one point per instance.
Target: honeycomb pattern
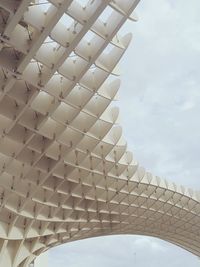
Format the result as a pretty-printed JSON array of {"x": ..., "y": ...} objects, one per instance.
[{"x": 65, "y": 172}]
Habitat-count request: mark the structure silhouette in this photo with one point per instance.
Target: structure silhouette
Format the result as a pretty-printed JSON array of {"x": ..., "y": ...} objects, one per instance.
[{"x": 66, "y": 173}]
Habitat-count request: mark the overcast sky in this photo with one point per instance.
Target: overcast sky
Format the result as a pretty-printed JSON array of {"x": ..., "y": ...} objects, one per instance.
[{"x": 160, "y": 108}]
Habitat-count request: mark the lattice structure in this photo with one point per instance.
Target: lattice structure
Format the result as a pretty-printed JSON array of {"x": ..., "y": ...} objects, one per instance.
[{"x": 65, "y": 171}]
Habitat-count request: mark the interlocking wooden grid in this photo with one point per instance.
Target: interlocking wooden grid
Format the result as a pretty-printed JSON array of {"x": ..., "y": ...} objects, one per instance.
[{"x": 65, "y": 172}]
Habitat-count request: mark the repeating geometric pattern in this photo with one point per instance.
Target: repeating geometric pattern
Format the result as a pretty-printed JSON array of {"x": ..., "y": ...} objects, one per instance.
[{"x": 65, "y": 172}]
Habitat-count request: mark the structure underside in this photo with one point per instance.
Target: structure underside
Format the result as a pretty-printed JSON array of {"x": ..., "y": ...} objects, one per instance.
[{"x": 65, "y": 172}]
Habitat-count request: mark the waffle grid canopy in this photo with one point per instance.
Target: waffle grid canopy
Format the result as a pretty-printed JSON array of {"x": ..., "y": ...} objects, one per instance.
[{"x": 65, "y": 172}]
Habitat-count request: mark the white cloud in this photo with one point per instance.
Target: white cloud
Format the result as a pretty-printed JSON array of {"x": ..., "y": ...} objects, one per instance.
[
  {"x": 160, "y": 94},
  {"x": 118, "y": 251}
]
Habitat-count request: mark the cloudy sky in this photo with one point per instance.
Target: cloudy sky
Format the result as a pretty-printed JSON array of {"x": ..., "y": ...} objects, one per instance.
[{"x": 160, "y": 108}]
